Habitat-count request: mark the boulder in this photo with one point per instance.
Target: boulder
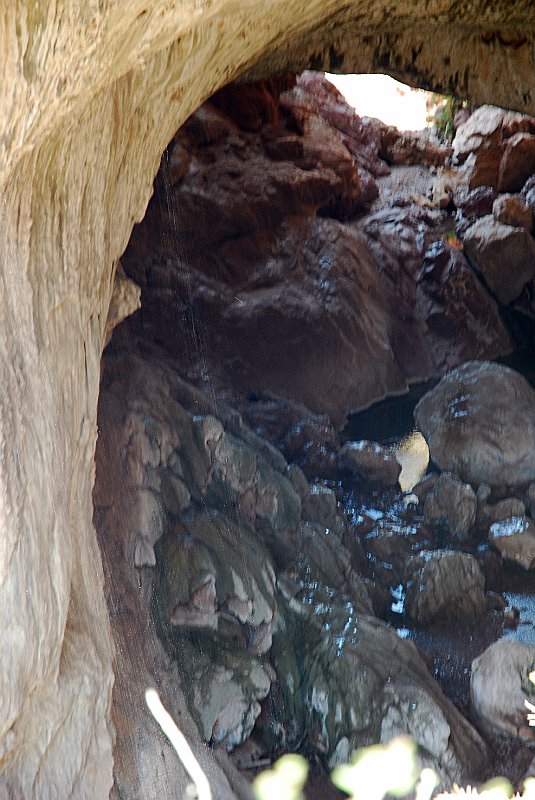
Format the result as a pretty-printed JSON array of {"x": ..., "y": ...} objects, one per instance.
[
  {"x": 517, "y": 161},
  {"x": 480, "y": 131},
  {"x": 479, "y": 422},
  {"x": 512, "y": 209},
  {"x": 319, "y": 505},
  {"x": 488, "y": 513},
  {"x": 504, "y": 255},
  {"x": 452, "y": 503},
  {"x": 478, "y": 202},
  {"x": 497, "y": 148},
  {"x": 442, "y": 585},
  {"x": 500, "y": 688},
  {"x": 514, "y": 538},
  {"x": 355, "y": 675},
  {"x": 370, "y": 461}
]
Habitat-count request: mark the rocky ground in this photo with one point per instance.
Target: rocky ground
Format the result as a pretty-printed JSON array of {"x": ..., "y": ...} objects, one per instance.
[{"x": 273, "y": 568}]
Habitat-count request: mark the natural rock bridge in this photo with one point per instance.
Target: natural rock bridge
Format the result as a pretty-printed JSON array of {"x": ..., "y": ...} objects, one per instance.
[{"x": 92, "y": 92}]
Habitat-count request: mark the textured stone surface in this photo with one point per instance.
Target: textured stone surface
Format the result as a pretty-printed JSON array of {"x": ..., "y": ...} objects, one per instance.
[
  {"x": 503, "y": 254},
  {"x": 498, "y": 148},
  {"x": 266, "y": 249},
  {"x": 370, "y": 461},
  {"x": 514, "y": 538},
  {"x": 453, "y": 503},
  {"x": 499, "y": 687},
  {"x": 252, "y": 595},
  {"x": 90, "y": 95},
  {"x": 513, "y": 210},
  {"x": 479, "y": 422},
  {"x": 443, "y": 585}
]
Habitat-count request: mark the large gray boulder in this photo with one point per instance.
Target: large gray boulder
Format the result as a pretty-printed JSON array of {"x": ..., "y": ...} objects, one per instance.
[
  {"x": 500, "y": 687},
  {"x": 479, "y": 422}
]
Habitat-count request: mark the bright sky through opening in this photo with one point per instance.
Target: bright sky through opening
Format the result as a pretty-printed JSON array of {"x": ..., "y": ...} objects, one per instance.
[{"x": 385, "y": 98}]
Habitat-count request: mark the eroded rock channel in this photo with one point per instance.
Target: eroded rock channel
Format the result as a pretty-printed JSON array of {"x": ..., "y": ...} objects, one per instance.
[{"x": 298, "y": 264}]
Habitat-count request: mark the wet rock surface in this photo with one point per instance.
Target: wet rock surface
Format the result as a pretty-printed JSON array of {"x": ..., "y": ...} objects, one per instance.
[
  {"x": 287, "y": 279},
  {"x": 252, "y": 591},
  {"x": 514, "y": 537},
  {"x": 452, "y": 503}
]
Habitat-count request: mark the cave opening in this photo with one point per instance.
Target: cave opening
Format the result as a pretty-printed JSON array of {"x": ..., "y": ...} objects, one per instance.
[{"x": 307, "y": 276}]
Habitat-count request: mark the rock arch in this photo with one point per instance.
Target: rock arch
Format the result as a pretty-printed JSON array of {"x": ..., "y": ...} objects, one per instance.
[{"x": 91, "y": 94}]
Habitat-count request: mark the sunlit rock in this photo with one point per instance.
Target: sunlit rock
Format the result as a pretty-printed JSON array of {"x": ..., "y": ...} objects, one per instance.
[
  {"x": 413, "y": 455},
  {"x": 512, "y": 209}
]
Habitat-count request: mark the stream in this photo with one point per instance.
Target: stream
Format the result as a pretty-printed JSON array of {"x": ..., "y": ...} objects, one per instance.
[{"x": 388, "y": 527}]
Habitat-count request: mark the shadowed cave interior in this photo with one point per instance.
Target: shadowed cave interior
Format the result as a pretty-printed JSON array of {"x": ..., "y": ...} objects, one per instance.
[{"x": 307, "y": 277}]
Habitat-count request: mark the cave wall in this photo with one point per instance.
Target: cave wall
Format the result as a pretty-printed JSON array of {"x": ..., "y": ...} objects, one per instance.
[{"x": 91, "y": 93}]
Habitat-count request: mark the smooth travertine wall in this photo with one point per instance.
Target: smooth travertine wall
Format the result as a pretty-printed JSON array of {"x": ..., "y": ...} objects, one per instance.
[{"x": 90, "y": 93}]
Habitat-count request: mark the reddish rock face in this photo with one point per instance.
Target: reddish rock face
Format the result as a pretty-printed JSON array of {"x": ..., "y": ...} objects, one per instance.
[
  {"x": 498, "y": 147},
  {"x": 270, "y": 278}
]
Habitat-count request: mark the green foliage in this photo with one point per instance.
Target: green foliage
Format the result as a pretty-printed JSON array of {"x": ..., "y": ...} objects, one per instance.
[
  {"x": 383, "y": 769},
  {"x": 441, "y": 116},
  {"x": 284, "y": 782},
  {"x": 373, "y": 773}
]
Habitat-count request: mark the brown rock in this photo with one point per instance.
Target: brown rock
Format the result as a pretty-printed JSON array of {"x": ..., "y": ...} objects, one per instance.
[
  {"x": 513, "y": 210},
  {"x": 481, "y": 131},
  {"x": 256, "y": 219},
  {"x": 487, "y": 513},
  {"x": 415, "y": 147},
  {"x": 517, "y": 162},
  {"x": 362, "y": 137},
  {"x": 449, "y": 292},
  {"x": 482, "y": 169},
  {"x": 443, "y": 585},
  {"x": 478, "y": 202},
  {"x": 479, "y": 423},
  {"x": 497, "y": 148},
  {"x": 452, "y": 502},
  {"x": 505, "y": 256},
  {"x": 515, "y": 540},
  {"x": 370, "y": 461}
]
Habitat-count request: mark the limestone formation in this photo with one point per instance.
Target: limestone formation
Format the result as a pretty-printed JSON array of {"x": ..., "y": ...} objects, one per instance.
[{"x": 91, "y": 95}]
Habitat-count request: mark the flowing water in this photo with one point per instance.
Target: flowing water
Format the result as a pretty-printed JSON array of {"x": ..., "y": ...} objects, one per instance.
[{"x": 389, "y": 527}]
